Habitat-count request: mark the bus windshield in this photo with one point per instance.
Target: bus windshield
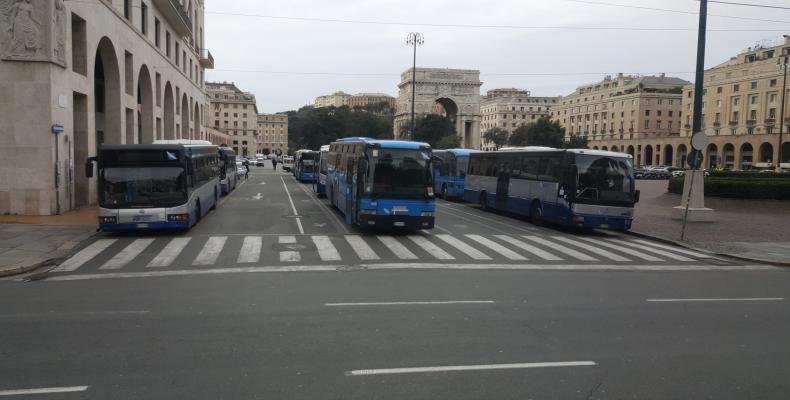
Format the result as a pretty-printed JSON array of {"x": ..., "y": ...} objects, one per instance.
[
  {"x": 142, "y": 187},
  {"x": 307, "y": 165},
  {"x": 323, "y": 164},
  {"x": 400, "y": 173},
  {"x": 604, "y": 180},
  {"x": 462, "y": 164}
]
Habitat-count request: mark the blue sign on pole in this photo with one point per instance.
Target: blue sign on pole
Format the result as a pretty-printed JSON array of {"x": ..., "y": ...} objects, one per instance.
[{"x": 58, "y": 128}]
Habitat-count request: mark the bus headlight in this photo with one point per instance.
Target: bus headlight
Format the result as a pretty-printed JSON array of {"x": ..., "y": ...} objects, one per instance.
[
  {"x": 367, "y": 212},
  {"x": 108, "y": 220},
  {"x": 427, "y": 214},
  {"x": 177, "y": 217},
  {"x": 430, "y": 191},
  {"x": 577, "y": 219}
]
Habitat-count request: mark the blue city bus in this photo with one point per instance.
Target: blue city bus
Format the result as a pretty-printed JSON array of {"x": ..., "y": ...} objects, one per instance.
[
  {"x": 450, "y": 172},
  {"x": 382, "y": 183},
  {"x": 304, "y": 165},
  {"x": 320, "y": 182},
  {"x": 227, "y": 172},
  {"x": 170, "y": 184},
  {"x": 580, "y": 188}
]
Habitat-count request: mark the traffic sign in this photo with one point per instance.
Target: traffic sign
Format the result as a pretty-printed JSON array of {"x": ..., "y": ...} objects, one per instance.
[
  {"x": 58, "y": 128},
  {"x": 699, "y": 141}
]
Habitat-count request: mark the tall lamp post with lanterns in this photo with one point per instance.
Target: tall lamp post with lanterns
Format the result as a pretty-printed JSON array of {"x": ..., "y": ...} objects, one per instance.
[
  {"x": 783, "y": 66},
  {"x": 414, "y": 39}
]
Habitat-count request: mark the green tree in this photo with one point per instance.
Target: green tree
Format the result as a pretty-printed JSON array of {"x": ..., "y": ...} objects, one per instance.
[
  {"x": 497, "y": 136},
  {"x": 543, "y": 132},
  {"x": 577, "y": 142},
  {"x": 435, "y": 130}
]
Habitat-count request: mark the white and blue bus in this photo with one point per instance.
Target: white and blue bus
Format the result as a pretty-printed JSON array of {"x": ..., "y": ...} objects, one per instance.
[
  {"x": 166, "y": 185},
  {"x": 320, "y": 181},
  {"x": 227, "y": 172},
  {"x": 304, "y": 165},
  {"x": 382, "y": 183},
  {"x": 450, "y": 172},
  {"x": 581, "y": 188}
]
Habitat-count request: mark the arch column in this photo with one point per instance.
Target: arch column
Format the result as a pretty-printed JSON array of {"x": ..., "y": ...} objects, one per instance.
[{"x": 145, "y": 106}]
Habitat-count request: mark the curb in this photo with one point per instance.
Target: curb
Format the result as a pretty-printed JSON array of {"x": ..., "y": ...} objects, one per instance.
[
  {"x": 686, "y": 245},
  {"x": 25, "y": 268}
]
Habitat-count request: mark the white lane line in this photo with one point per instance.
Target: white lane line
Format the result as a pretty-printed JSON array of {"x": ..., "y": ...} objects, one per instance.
[
  {"x": 455, "y": 368},
  {"x": 470, "y": 251},
  {"x": 327, "y": 210},
  {"x": 250, "y": 250},
  {"x": 487, "y": 218},
  {"x": 326, "y": 250},
  {"x": 362, "y": 249},
  {"x": 170, "y": 252},
  {"x": 210, "y": 252},
  {"x": 397, "y": 248},
  {"x": 677, "y": 249},
  {"x": 293, "y": 207},
  {"x": 84, "y": 255},
  {"x": 529, "y": 248},
  {"x": 290, "y": 256},
  {"x": 714, "y": 299},
  {"x": 286, "y": 239},
  {"x": 623, "y": 249},
  {"x": 497, "y": 248},
  {"x": 410, "y": 303},
  {"x": 128, "y": 254},
  {"x": 666, "y": 254},
  {"x": 487, "y": 224},
  {"x": 50, "y": 390},
  {"x": 562, "y": 249},
  {"x": 592, "y": 249},
  {"x": 431, "y": 248}
]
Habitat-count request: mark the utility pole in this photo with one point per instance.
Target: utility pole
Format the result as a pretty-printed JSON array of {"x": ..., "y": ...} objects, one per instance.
[
  {"x": 696, "y": 159},
  {"x": 782, "y": 112},
  {"x": 414, "y": 39}
]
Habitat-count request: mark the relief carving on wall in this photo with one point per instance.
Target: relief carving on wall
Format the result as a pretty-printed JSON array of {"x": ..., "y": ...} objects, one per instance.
[{"x": 33, "y": 30}]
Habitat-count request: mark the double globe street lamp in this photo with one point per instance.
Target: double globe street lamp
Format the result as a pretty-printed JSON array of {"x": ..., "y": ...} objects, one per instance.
[{"x": 414, "y": 39}]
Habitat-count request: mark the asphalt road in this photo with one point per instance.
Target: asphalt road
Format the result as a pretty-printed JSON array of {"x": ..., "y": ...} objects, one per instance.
[{"x": 472, "y": 315}]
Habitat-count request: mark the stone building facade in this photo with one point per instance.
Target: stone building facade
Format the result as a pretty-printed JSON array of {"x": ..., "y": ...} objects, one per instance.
[
  {"x": 365, "y": 99},
  {"x": 337, "y": 99},
  {"x": 234, "y": 112},
  {"x": 273, "y": 133},
  {"x": 509, "y": 109},
  {"x": 456, "y": 90},
  {"x": 625, "y": 114},
  {"x": 100, "y": 71}
]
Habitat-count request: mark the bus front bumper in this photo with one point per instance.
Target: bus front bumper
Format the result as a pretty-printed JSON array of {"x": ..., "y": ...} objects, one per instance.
[
  {"x": 136, "y": 226},
  {"x": 396, "y": 221}
]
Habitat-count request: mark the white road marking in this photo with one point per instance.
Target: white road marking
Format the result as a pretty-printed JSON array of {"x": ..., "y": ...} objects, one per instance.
[
  {"x": 528, "y": 247},
  {"x": 326, "y": 249},
  {"x": 210, "y": 252},
  {"x": 431, "y": 248},
  {"x": 327, "y": 210},
  {"x": 64, "y": 389},
  {"x": 487, "y": 218},
  {"x": 362, "y": 249},
  {"x": 677, "y": 249},
  {"x": 463, "y": 247},
  {"x": 498, "y": 248},
  {"x": 84, "y": 255},
  {"x": 127, "y": 254},
  {"x": 397, "y": 248},
  {"x": 250, "y": 250},
  {"x": 453, "y": 368},
  {"x": 412, "y": 266},
  {"x": 714, "y": 299},
  {"x": 293, "y": 207},
  {"x": 622, "y": 249},
  {"x": 290, "y": 256},
  {"x": 170, "y": 252},
  {"x": 591, "y": 249},
  {"x": 410, "y": 303},
  {"x": 286, "y": 239},
  {"x": 562, "y": 249},
  {"x": 652, "y": 250}
]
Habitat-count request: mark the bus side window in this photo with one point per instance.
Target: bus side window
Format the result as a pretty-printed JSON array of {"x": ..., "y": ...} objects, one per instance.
[{"x": 531, "y": 167}]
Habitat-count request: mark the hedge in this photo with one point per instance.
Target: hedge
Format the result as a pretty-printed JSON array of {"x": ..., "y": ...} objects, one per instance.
[
  {"x": 775, "y": 189},
  {"x": 749, "y": 175}
]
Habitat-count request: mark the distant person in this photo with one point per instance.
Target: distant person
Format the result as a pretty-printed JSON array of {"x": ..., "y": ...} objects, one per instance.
[
  {"x": 274, "y": 162},
  {"x": 246, "y": 170}
]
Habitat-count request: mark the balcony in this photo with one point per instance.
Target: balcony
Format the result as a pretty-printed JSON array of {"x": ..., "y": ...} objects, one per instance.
[
  {"x": 206, "y": 59},
  {"x": 734, "y": 123},
  {"x": 175, "y": 14},
  {"x": 716, "y": 124},
  {"x": 751, "y": 123},
  {"x": 770, "y": 122},
  {"x": 687, "y": 126}
]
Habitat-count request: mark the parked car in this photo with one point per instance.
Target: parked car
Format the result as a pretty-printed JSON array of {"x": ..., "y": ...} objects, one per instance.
[
  {"x": 259, "y": 161},
  {"x": 657, "y": 173}
]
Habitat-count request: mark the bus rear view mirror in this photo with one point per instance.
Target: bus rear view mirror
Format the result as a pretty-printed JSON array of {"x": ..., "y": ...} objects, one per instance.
[
  {"x": 636, "y": 196},
  {"x": 89, "y": 167}
]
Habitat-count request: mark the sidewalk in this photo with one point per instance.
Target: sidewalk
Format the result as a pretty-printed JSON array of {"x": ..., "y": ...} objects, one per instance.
[
  {"x": 758, "y": 230},
  {"x": 27, "y": 242}
]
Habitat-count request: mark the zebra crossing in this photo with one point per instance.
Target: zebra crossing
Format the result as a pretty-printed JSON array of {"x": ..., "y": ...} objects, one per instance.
[{"x": 112, "y": 254}]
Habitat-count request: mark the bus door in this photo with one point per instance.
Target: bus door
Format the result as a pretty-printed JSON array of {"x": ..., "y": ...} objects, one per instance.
[
  {"x": 503, "y": 185},
  {"x": 349, "y": 208}
]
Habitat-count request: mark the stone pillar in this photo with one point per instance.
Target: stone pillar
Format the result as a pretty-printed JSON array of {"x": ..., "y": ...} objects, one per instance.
[{"x": 697, "y": 211}]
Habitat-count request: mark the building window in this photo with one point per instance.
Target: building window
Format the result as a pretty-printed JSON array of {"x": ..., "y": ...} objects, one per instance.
[
  {"x": 719, "y": 90},
  {"x": 735, "y": 116},
  {"x": 771, "y": 113},
  {"x": 647, "y": 124},
  {"x": 736, "y": 101},
  {"x": 157, "y": 32},
  {"x": 772, "y": 83},
  {"x": 79, "y": 55},
  {"x": 736, "y": 88},
  {"x": 127, "y": 9},
  {"x": 144, "y": 18},
  {"x": 753, "y": 99},
  {"x": 772, "y": 97},
  {"x": 753, "y": 115},
  {"x": 670, "y": 113},
  {"x": 178, "y": 52},
  {"x": 167, "y": 43},
  {"x": 754, "y": 85},
  {"x": 129, "y": 72}
]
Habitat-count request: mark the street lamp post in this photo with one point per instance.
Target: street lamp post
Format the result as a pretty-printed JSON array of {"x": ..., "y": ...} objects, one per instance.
[
  {"x": 782, "y": 112},
  {"x": 414, "y": 39}
]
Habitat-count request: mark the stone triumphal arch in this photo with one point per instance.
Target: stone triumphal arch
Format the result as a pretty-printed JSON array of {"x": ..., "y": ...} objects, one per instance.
[{"x": 454, "y": 93}]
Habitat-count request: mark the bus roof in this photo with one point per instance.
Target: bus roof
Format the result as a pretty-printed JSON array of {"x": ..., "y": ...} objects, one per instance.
[
  {"x": 388, "y": 144},
  {"x": 551, "y": 149},
  {"x": 185, "y": 142},
  {"x": 458, "y": 152}
]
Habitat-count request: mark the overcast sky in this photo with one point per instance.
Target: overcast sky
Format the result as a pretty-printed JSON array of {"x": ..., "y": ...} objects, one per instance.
[{"x": 245, "y": 43}]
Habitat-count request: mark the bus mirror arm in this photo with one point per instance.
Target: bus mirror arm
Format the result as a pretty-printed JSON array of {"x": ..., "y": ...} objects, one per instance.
[
  {"x": 636, "y": 196},
  {"x": 89, "y": 167}
]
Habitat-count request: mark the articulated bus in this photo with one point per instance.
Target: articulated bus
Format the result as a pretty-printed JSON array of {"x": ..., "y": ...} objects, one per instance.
[
  {"x": 450, "y": 171},
  {"x": 170, "y": 184},
  {"x": 581, "y": 188},
  {"x": 382, "y": 183},
  {"x": 304, "y": 165},
  {"x": 320, "y": 182},
  {"x": 227, "y": 171}
]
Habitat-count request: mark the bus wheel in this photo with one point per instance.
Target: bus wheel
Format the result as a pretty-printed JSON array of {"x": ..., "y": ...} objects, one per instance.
[
  {"x": 484, "y": 201},
  {"x": 444, "y": 192},
  {"x": 536, "y": 213}
]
